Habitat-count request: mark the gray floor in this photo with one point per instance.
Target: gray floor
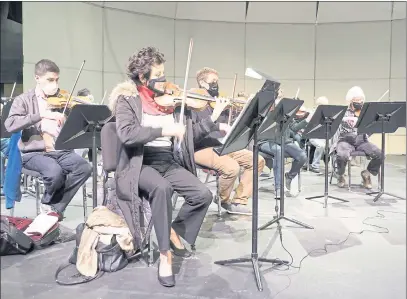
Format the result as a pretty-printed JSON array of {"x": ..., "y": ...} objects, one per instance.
[{"x": 369, "y": 265}]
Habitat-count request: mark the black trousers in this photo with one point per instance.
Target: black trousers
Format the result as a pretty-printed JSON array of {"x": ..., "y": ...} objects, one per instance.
[
  {"x": 158, "y": 184},
  {"x": 63, "y": 173}
]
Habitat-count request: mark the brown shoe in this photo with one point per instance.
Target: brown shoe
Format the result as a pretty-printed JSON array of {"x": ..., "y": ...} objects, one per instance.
[
  {"x": 367, "y": 181},
  {"x": 341, "y": 181}
]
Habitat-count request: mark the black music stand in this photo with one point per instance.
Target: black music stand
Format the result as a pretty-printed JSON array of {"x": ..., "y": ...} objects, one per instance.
[
  {"x": 244, "y": 129},
  {"x": 82, "y": 130},
  {"x": 377, "y": 117},
  {"x": 274, "y": 126},
  {"x": 4, "y": 114},
  {"x": 323, "y": 125}
]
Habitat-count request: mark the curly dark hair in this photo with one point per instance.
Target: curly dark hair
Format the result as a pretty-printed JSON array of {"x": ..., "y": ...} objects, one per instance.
[{"x": 141, "y": 62}]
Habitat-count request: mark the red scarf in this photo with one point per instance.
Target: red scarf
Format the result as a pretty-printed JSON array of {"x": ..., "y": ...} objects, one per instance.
[{"x": 149, "y": 104}]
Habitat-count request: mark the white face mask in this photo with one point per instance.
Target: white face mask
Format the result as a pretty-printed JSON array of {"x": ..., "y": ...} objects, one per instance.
[{"x": 50, "y": 89}]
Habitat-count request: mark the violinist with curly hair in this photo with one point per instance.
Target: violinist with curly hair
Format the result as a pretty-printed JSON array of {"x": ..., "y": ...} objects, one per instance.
[{"x": 149, "y": 164}]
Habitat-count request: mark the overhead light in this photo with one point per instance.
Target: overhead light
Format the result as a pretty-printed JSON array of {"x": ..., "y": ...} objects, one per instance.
[{"x": 253, "y": 74}]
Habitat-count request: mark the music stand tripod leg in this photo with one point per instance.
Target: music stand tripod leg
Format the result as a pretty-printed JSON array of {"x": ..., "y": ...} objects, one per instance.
[
  {"x": 254, "y": 255},
  {"x": 282, "y": 195},
  {"x": 381, "y": 192}
]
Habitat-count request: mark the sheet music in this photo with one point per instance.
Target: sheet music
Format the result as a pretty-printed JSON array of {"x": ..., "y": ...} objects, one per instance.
[{"x": 237, "y": 120}]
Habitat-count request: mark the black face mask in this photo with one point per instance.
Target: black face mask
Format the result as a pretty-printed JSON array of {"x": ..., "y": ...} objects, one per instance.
[
  {"x": 213, "y": 89},
  {"x": 151, "y": 85},
  {"x": 357, "y": 106}
]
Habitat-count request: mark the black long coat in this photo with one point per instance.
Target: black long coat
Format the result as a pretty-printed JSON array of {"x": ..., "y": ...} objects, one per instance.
[{"x": 125, "y": 104}]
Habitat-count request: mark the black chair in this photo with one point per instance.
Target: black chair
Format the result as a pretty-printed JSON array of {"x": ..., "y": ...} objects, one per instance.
[
  {"x": 37, "y": 187},
  {"x": 38, "y": 190},
  {"x": 352, "y": 155},
  {"x": 110, "y": 146}
]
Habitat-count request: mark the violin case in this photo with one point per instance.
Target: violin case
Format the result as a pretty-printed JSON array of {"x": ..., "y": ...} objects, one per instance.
[{"x": 13, "y": 240}]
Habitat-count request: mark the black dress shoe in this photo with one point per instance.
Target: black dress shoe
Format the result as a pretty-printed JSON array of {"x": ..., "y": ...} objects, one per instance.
[
  {"x": 180, "y": 252},
  {"x": 167, "y": 281}
]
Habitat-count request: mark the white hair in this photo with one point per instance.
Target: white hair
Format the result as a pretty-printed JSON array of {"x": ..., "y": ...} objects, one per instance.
[
  {"x": 322, "y": 101},
  {"x": 355, "y": 92}
]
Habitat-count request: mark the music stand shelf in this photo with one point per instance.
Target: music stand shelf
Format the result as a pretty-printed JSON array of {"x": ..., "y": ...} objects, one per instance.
[
  {"x": 383, "y": 118},
  {"x": 323, "y": 125},
  {"x": 82, "y": 130}
]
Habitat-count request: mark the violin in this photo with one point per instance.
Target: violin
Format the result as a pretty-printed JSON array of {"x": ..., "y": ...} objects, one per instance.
[
  {"x": 196, "y": 98},
  {"x": 60, "y": 100}
]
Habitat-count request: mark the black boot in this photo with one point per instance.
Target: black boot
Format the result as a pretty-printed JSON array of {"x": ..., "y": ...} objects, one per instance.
[{"x": 180, "y": 252}]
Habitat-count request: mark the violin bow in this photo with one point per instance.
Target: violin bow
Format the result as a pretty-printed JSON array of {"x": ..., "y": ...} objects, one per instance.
[
  {"x": 298, "y": 92},
  {"x": 387, "y": 91},
  {"x": 233, "y": 96},
  {"x": 104, "y": 96},
  {"x": 12, "y": 91},
  {"x": 184, "y": 96},
  {"x": 73, "y": 88}
]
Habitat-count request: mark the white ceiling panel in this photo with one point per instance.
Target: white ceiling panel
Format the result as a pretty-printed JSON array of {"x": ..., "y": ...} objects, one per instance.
[
  {"x": 162, "y": 9},
  {"x": 100, "y": 3},
  {"x": 281, "y": 12},
  {"x": 399, "y": 10},
  {"x": 330, "y": 12},
  {"x": 211, "y": 11}
]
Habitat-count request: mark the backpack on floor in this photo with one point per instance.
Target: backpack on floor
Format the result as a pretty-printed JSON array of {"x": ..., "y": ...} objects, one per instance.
[{"x": 13, "y": 240}]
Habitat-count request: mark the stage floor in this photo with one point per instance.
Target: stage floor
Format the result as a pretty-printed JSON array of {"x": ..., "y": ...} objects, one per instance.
[{"x": 368, "y": 265}]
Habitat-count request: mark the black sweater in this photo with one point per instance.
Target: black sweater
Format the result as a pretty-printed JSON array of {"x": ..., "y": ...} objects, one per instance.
[{"x": 210, "y": 140}]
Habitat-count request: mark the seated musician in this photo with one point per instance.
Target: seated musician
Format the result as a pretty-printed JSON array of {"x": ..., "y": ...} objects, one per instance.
[
  {"x": 292, "y": 150},
  {"x": 63, "y": 171},
  {"x": 150, "y": 161},
  {"x": 349, "y": 140},
  {"x": 228, "y": 165},
  {"x": 318, "y": 143}
]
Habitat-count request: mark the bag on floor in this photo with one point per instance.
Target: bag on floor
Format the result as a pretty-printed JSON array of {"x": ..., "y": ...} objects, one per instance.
[
  {"x": 41, "y": 234},
  {"x": 111, "y": 258},
  {"x": 44, "y": 230},
  {"x": 13, "y": 240}
]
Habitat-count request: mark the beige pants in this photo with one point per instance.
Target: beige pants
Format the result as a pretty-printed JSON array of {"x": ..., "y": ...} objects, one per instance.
[{"x": 229, "y": 168}]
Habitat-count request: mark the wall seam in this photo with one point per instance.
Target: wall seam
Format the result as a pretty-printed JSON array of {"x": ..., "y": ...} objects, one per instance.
[
  {"x": 245, "y": 57},
  {"x": 391, "y": 49},
  {"x": 175, "y": 26},
  {"x": 233, "y": 22},
  {"x": 103, "y": 50}
]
